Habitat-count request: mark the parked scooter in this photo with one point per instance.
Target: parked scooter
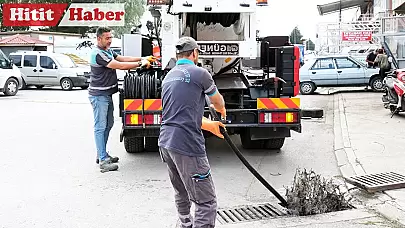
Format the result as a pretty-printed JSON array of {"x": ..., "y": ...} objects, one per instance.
[{"x": 394, "y": 87}]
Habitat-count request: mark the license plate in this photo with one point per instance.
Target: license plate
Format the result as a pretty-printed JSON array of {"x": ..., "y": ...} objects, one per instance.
[
  {"x": 88, "y": 80},
  {"x": 223, "y": 49}
]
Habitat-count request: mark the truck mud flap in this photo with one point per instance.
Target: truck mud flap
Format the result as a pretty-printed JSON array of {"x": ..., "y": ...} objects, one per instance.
[
  {"x": 140, "y": 132},
  {"x": 122, "y": 135},
  {"x": 267, "y": 133},
  {"x": 311, "y": 113}
]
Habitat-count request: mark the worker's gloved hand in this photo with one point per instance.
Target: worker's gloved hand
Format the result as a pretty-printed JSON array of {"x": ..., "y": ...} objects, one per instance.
[
  {"x": 145, "y": 63},
  {"x": 213, "y": 127},
  {"x": 222, "y": 111},
  {"x": 150, "y": 58}
]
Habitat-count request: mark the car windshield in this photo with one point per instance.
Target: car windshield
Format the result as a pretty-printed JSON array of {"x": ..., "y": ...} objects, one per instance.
[
  {"x": 4, "y": 61},
  {"x": 3, "y": 57},
  {"x": 65, "y": 61},
  {"x": 358, "y": 62}
]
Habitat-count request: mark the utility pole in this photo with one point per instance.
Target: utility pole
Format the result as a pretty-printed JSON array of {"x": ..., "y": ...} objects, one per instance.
[{"x": 340, "y": 26}]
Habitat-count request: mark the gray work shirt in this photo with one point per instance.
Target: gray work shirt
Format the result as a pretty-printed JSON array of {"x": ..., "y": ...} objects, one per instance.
[
  {"x": 103, "y": 80},
  {"x": 183, "y": 101}
]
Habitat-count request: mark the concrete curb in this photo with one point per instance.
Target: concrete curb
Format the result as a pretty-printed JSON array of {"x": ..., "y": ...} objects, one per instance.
[{"x": 350, "y": 165}]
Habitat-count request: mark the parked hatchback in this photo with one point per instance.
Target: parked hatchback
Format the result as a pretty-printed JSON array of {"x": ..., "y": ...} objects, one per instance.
[
  {"x": 337, "y": 71},
  {"x": 50, "y": 69}
]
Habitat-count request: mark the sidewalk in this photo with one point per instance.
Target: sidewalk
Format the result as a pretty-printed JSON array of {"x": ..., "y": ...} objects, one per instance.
[
  {"x": 368, "y": 141},
  {"x": 357, "y": 153}
]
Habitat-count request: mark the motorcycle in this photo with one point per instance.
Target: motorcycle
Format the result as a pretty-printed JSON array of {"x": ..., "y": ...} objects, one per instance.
[{"x": 394, "y": 88}]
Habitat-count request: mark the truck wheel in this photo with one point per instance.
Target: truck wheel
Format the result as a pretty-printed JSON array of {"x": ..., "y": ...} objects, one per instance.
[
  {"x": 151, "y": 144},
  {"x": 133, "y": 144},
  {"x": 248, "y": 143},
  {"x": 274, "y": 144}
]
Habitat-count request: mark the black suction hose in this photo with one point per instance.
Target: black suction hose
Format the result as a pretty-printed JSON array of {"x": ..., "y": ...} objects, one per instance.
[
  {"x": 243, "y": 159},
  {"x": 139, "y": 85}
]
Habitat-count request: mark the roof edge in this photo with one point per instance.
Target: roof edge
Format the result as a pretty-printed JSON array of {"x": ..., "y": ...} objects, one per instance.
[
  {"x": 335, "y": 6},
  {"x": 39, "y": 32}
]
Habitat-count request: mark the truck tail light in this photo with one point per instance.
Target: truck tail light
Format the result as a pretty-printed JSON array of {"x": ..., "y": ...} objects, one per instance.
[
  {"x": 152, "y": 118},
  {"x": 148, "y": 119},
  {"x": 261, "y": 3},
  {"x": 278, "y": 117},
  {"x": 133, "y": 119}
]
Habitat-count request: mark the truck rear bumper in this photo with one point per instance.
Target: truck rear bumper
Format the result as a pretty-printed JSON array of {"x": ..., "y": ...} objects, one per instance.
[{"x": 237, "y": 121}]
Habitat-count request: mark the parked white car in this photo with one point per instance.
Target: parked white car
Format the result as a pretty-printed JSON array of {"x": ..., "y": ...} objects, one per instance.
[
  {"x": 337, "y": 71},
  {"x": 50, "y": 69},
  {"x": 10, "y": 76}
]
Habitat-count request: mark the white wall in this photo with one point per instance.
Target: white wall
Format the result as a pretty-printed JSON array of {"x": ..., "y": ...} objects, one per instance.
[
  {"x": 55, "y": 39},
  {"x": 380, "y": 6}
]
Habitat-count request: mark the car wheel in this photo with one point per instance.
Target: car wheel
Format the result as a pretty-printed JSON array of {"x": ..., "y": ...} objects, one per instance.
[
  {"x": 11, "y": 87},
  {"x": 377, "y": 84},
  {"x": 66, "y": 84},
  {"x": 307, "y": 88}
]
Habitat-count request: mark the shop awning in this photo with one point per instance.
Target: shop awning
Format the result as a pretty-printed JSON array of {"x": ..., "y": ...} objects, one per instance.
[{"x": 334, "y": 7}]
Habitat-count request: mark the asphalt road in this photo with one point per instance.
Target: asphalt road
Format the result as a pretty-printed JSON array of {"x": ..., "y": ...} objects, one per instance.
[{"x": 50, "y": 179}]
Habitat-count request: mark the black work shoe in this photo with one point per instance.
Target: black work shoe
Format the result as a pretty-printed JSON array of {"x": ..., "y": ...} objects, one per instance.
[
  {"x": 107, "y": 166},
  {"x": 113, "y": 159}
]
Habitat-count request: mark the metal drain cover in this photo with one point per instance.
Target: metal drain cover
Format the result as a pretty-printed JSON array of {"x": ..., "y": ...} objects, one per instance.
[
  {"x": 249, "y": 213},
  {"x": 378, "y": 182}
]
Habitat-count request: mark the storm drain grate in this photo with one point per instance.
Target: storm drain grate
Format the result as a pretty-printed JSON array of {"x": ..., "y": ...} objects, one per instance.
[
  {"x": 249, "y": 213},
  {"x": 378, "y": 182}
]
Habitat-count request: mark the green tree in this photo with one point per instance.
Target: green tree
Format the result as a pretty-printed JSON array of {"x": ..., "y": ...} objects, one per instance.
[
  {"x": 296, "y": 36},
  {"x": 310, "y": 45},
  {"x": 134, "y": 10}
]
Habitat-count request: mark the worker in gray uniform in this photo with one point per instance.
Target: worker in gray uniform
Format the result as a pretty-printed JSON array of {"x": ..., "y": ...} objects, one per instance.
[
  {"x": 181, "y": 141},
  {"x": 103, "y": 84}
]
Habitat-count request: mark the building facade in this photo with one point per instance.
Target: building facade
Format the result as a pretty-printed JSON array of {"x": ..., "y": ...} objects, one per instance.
[
  {"x": 384, "y": 19},
  {"x": 50, "y": 37}
]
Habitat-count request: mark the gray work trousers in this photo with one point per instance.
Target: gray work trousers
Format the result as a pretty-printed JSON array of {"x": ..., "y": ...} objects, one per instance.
[{"x": 190, "y": 187}]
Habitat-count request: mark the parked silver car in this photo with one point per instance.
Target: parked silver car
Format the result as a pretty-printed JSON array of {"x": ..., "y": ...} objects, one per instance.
[
  {"x": 50, "y": 69},
  {"x": 337, "y": 71}
]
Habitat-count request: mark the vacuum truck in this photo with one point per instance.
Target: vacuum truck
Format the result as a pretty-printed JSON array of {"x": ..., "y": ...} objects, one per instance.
[{"x": 257, "y": 76}]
